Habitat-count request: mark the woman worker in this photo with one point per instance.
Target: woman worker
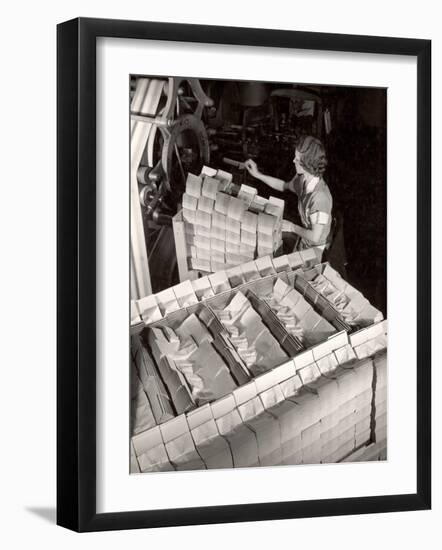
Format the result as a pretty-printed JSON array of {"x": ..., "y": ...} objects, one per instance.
[{"x": 314, "y": 198}]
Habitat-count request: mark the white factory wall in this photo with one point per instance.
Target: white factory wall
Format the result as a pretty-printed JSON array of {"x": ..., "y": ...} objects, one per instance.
[{"x": 27, "y": 218}]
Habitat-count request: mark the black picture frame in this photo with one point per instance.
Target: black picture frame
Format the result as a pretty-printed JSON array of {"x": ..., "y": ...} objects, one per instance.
[{"x": 76, "y": 273}]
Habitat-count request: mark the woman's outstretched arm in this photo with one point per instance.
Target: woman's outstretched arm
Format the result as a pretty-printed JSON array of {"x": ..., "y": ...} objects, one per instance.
[{"x": 274, "y": 183}]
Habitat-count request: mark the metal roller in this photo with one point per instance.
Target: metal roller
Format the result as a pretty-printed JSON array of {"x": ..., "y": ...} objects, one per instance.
[{"x": 143, "y": 175}]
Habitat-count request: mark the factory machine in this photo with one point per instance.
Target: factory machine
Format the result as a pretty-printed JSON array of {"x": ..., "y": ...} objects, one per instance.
[{"x": 177, "y": 126}]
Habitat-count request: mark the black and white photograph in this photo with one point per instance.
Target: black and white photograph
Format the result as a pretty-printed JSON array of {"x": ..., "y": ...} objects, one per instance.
[{"x": 258, "y": 278}]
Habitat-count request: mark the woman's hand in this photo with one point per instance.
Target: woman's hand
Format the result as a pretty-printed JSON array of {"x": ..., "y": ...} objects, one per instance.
[
  {"x": 252, "y": 168},
  {"x": 274, "y": 183}
]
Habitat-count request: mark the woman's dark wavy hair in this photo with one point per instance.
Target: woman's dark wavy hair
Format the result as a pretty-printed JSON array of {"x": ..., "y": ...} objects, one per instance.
[{"x": 313, "y": 156}]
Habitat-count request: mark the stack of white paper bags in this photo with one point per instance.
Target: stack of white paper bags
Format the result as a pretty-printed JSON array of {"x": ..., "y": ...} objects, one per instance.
[
  {"x": 326, "y": 404},
  {"x": 223, "y": 231},
  {"x": 190, "y": 366},
  {"x": 256, "y": 346},
  {"x": 278, "y": 418},
  {"x": 141, "y": 412},
  {"x": 297, "y": 315},
  {"x": 154, "y": 388},
  {"x": 352, "y": 306}
]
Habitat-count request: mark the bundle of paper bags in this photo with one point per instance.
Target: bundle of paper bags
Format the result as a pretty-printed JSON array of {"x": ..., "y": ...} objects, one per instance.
[
  {"x": 351, "y": 304},
  {"x": 255, "y": 344},
  {"x": 188, "y": 352},
  {"x": 223, "y": 230}
]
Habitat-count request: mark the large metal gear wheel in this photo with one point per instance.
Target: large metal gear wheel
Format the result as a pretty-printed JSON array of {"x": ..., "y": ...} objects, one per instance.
[{"x": 185, "y": 149}]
